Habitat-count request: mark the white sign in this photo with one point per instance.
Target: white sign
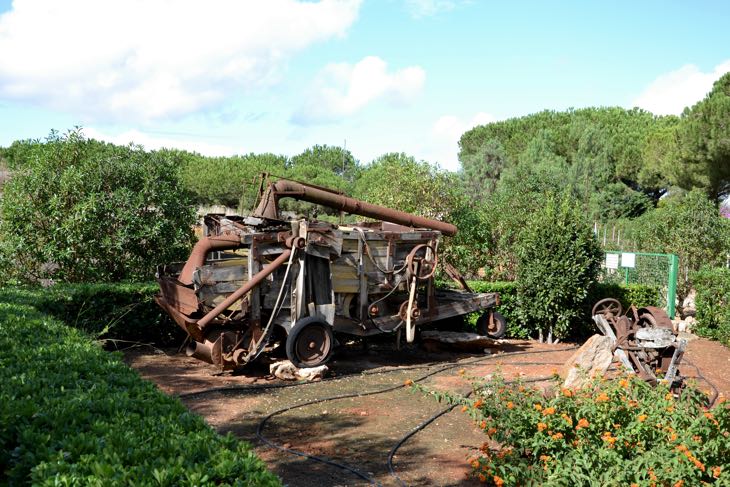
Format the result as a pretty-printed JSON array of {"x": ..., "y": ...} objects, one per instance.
[
  {"x": 628, "y": 260},
  {"x": 612, "y": 261}
]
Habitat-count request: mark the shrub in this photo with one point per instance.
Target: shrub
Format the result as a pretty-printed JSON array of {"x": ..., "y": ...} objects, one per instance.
[
  {"x": 713, "y": 303},
  {"x": 79, "y": 210},
  {"x": 637, "y": 294},
  {"x": 620, "y": 432},
  {"x": 124, "y": 311},
  {"x": 558, "y": 261},
  {"x": 72, "y": 414}
]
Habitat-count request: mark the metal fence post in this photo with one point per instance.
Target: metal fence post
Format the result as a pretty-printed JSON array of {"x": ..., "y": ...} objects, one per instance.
[{"x": 672, "y": 284}]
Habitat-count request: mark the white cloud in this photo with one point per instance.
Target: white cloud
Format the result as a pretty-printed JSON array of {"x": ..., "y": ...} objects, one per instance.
[
  {"x": 343, "y": 89},
  {"x": 150, "y": 142},
  {"x": 671, "y": 92},
  {"x": 446, "y": 132},
  {"x": 137, "y": 60}
]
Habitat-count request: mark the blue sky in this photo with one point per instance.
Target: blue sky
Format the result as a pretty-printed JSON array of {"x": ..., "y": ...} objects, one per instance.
[{"x": 230, "y": 77}]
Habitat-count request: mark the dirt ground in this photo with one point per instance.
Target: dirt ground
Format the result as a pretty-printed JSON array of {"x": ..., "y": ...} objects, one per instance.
[{"x": 361, "y": 431}]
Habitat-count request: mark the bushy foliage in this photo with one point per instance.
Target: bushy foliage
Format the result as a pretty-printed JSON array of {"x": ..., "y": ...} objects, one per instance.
[
  {"x": 72, "y": 414},
  {"x": 619, "y": 432},
  {"x": 80, "y": 210},
  {"x": 713, "y": 303},
  {"x": 636, "y": 294},
  {"x": 123, "y": 311},
  {"x": 558, "y": 262},
  {"x": 690, "y": 226}
]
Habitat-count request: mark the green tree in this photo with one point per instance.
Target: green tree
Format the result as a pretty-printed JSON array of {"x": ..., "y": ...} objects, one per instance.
[
  {"x": 81, "y": 210},
  {"x": 704, "y": 139},
  {"x": 230, "y": 181},
  {"x": 558, "y": 262},
  {"x": 690, "y": 226}
]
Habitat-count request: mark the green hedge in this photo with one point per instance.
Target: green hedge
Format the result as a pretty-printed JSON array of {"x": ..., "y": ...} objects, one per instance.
[
  {"x": 72, "y": 414},
  {"x": 713, "y": 303},
  {"x": 124, "y": 311},
  {"x": 639, "y": 295}
]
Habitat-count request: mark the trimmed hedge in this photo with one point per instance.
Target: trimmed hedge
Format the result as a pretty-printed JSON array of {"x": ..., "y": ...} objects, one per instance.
[
  {"x": 713, "y": 303},
  {"x": 123, "y": 310},
  {"x": 639, "y": 295},
  {"x": 72, "y": 414}
]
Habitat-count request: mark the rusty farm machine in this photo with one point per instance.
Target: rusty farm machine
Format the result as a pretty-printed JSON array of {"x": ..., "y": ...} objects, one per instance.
[{"x": 259, "y": 281}]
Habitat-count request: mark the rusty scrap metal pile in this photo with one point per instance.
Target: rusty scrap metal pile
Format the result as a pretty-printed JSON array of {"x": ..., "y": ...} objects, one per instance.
[
  {"x": 644, "y": 340},
  {"x": 260, "y": 281}
]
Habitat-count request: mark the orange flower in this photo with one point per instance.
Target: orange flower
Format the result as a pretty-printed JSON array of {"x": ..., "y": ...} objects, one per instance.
[
  {"x": 697, "y": 438},
  {"x": 475, "y": 463},
  {"x": 582, "y": 423},
  {"x": 716, "y": 471},
  {"x": 607, "y": 437},
  {"x": 510, "y": 405},
  {"x": 673, "y": 437},
  {"x": 521, "y": 389},
  {"x": 408, "y": 383},
  {"x": 498, "y": 481},
  {"x": 483, "y": 425},
  {"x": 642, "y": 418},
  {"x": 541, "y": 426},
  {"x": 679, "y": 483},
  {"x": 462, "y": 371},
  {"x": 699, "y": 464},
  {"x": 634, "y": 484},
  {"x": 623, "y": 383},
  {"x": 548, "y": 411},
  {"x": 602, "y": 397},
  {"x": 669, "y": 396},
  {"x": 544, "y": 458},
  {"x": 557, "y": 436},
  {"x": 567, "y": 419},
  {"x": 670, "y": 409},
  {"x": 482, "y": 478},
  {"x": 709, "y": 415},
  {"x": 567, "y": 392},
  {"x": 491, "y": 431},
  {"x": 538, "y": 407},
  {"x": 464, "y": 409},
  {"x": 633, "y": 403},
  {"x": 478, "y": 403}
]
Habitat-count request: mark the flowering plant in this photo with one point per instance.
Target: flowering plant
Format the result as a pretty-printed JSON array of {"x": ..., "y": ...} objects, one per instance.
[{"x": 613, "y": 432}]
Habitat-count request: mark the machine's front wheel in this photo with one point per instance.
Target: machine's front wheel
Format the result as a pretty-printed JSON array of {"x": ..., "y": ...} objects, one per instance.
[
  {"x": 494, "y": 326},
  {"x": 310, "y": 342}
]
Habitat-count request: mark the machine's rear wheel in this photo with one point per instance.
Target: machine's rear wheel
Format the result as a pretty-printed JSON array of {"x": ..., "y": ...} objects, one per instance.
[
  {"x": 495, "y": 328},
  {"x": 310, "y": 342}
]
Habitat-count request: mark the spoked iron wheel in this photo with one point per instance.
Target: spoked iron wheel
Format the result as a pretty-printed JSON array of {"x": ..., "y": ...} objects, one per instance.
[
  {"x": 607, "y": 306},
  {"x": 310, "y": 342}
]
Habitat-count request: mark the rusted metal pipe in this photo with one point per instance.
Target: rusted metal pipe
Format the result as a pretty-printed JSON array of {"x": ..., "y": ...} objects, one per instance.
[
  {"x": 269, "y": 206},
  {"x": 201, "y": 250},
  {"x": 240, "y": 292},
  {"x": 200, "y": 351}
]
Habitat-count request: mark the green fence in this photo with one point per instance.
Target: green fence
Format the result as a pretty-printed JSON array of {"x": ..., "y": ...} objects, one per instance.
[{"x": 644, "y": 268}]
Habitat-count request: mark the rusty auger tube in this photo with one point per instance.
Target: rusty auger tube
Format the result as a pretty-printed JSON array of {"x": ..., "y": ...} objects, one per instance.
[
  {"x": 201, "y": 250},
  {"x": 240, "y": 292},
  {"x": 268, "y": 207}
]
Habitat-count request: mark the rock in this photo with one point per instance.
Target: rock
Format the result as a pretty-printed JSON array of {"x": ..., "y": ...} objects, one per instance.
[
  {"x": 433, "y": 340},
  {"x": 590, "y": 360},
  {"x": 681, "y": 327},
  {"x": 285, "y": 370},
  {"x": 688, "y": 305}
]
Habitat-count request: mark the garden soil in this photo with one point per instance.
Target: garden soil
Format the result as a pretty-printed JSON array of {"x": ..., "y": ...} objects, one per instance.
[{"x": 361, "y": 431}]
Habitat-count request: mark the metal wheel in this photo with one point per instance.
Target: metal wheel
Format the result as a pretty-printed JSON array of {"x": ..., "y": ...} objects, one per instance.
[
  {"x": 494, "y": 326},
  {"x": 310, "y": 342},
  {"x": 606, "y": 306}
]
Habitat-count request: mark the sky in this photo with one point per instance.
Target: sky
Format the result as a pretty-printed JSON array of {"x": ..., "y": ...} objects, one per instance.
[{"x": 227, "y": 77}]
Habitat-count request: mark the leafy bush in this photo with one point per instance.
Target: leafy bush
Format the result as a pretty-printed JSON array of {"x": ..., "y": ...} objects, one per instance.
[
  {"x": 558, "y": 261},
  {"x": 713, "y": 302},
  {"x": 621, "y": 432},
  {"x": 124, "y": 311},
  {"x": 72, "y": 414},
  {"x": 637, "y": 294},
  {"x": 79, "y": 210}
]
